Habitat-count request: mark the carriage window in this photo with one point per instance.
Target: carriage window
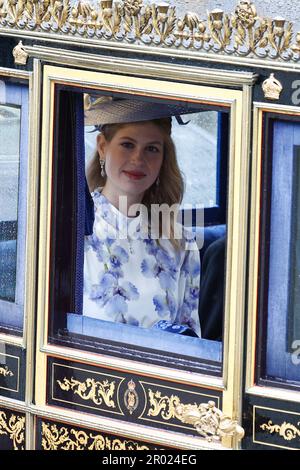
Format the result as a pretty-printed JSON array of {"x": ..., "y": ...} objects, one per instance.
[
  {"x": 281, "y": 246},
  {"x": 13, "y": 159},
  {"x": 109, "y": 289}
]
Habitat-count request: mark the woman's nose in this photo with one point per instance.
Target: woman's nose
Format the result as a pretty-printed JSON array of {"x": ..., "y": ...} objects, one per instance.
[{"x": 137, "y": 154}]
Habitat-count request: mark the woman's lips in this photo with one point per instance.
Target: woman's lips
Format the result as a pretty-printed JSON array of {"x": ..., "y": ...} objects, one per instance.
[{"x": 134, "y": 175}]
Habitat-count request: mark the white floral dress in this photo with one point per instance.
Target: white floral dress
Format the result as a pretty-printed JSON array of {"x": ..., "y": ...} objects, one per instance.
[{"x": 135, "y": 280}]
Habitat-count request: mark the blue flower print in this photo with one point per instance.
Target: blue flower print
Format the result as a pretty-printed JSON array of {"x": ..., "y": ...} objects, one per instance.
[
  {"x": 117, "y": 306},
  {"x": 161, "y": 306},
  {"x": 148, "y": 267},
  {"x": 162, "y": 267},
  {"x": 151, "y": 246},
  {"x": 190, "y": 303},
  {"x": 165, "y": 305},
  {"x": 112, "y": 296},
  {"x": 165, "y": 280},
  {"x": 101, "y": 292},
  {"x": 191, "y": 266},
  {"x": 98, "y": 246},
  {"x": 132, "y": 321},
  {"x": 118, "y": 256},
  {"x": 109, "y": 253},
  {"x": 121, "y": 294}
]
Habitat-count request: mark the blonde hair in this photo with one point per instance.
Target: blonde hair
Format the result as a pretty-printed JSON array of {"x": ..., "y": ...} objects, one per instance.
[{"x": 171, "y": 184}]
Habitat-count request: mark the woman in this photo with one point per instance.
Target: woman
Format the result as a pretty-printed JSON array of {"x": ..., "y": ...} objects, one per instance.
[{"x": 136, "y": 270}]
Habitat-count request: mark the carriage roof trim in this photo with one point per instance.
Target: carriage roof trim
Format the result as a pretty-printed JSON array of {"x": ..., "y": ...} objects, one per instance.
[{"x": 242, "y": 35}]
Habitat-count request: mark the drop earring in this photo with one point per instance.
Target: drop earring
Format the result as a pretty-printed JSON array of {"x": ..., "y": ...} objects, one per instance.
[
  {"x": 102, "y": 163},
  {"x": 157, "y": 181}
]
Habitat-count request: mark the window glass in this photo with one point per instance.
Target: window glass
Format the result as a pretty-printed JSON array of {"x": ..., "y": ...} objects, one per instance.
[
  {"x": 283, "y": 279},
  {"x": 13, "y": 155},
  {"x": 199, "y": 169},
  {"x": 108, "y": 302},
  {"x": 10, "y": 160},
  {"x": 200, "y": 132}
]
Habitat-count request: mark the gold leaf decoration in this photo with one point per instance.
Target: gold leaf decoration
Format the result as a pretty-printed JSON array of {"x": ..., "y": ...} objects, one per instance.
[
  {"x": 6, "y": 372},
  {"x": 91, "y": 389},
  {"x": 14, "y": 428},
  {"x": 162, "y": 405},
  {"x": 54, "y": 438},
  {"x": 209, "y": 421},
  {"x": 241, "y": 33},
  {"x": 286, "y": 430}
]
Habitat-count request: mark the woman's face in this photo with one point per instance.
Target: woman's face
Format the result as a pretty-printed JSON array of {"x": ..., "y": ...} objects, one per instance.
[{"x": 133, "y": 158}]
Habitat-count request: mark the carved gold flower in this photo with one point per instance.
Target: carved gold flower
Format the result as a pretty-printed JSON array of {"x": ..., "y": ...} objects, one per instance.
[
  {"x": 246, "y": 13},
  {"x": 133, "y": 7}
]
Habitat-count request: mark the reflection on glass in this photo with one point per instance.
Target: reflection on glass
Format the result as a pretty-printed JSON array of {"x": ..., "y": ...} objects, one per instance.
[
  {"x": 196, "y": 145},
  {"x": 137, "y": 270},
  {"x": 294, "y": 314},
  {"x": 283, "y": 275},
  {"x": 138, "y": 292},
  {"x": 123, "y": 282},
  {"x": 9, "y": 170},
  {"x": 199, "y": 167}
]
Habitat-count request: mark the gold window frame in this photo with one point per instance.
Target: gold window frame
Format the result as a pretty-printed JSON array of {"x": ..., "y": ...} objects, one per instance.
[
  {"x": 259, "y": 109},
  {"x": 26, "y": 341},
  {"x": 187, "y": 87},
  {"x": 9, "y": 338}
]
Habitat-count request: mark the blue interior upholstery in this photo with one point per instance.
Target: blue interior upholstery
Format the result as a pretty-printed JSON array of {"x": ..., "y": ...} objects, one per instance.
[{"x": 211, "y": 233}]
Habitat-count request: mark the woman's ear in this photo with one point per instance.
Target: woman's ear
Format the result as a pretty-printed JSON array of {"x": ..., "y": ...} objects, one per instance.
[{"x": 101, "y": 146}]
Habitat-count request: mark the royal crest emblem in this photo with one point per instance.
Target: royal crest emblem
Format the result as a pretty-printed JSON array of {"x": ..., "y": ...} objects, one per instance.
[{"x": 131, "y": 398}]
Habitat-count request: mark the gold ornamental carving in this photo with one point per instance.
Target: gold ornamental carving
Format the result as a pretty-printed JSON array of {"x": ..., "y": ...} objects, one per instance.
[
  {"x": 54, "y": 438},
  {"x": 20, "y": 55},
  {"x": 131, "y": 398},
  {"x": 14, "y": 428},
  {"x": 90, "y": 389},
  {"x": 240, "y": 33},
  {"x": 286, "y": 430},
  {"x": 272, "y": 88},
  {"x": 6, "y": 372},
  {"x": 210, "y": 422}
]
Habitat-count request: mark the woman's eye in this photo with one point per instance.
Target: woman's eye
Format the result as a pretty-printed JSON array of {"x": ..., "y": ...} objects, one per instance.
[
  {"x": 153, "y": 149},
  {"x": 127, "y": 145}
]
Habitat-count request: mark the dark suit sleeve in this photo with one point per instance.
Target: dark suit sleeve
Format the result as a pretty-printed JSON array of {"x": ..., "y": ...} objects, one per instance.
[{"x": 212, "y": 291}]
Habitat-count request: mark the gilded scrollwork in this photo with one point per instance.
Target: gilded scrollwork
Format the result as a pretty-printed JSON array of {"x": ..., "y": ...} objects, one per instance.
[
  {"x": 242, "y": 33},
  {"x": 6, "y": 372},
  {"x": 162, "y": 405},
  {"x": 63, "y": 438},
  {"x": 90, "y": 389},
  {"x": 286, "y": 430},
  {"x": 14, "y": 427},
  {"x": 210, "y": 422}
]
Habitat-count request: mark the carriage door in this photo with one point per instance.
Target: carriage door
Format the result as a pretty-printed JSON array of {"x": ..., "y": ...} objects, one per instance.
[
  {"x": 105, "y": 385},
  {"x": 271, "y": 407},
  {"x": 15, "y": 260}
]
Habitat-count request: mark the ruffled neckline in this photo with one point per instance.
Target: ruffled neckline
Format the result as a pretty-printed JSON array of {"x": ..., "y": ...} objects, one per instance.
[{"x": 112, "y": 215}]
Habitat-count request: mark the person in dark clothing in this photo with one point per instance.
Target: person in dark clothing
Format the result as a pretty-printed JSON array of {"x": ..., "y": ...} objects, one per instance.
[{"x": 212, "y": 290}]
